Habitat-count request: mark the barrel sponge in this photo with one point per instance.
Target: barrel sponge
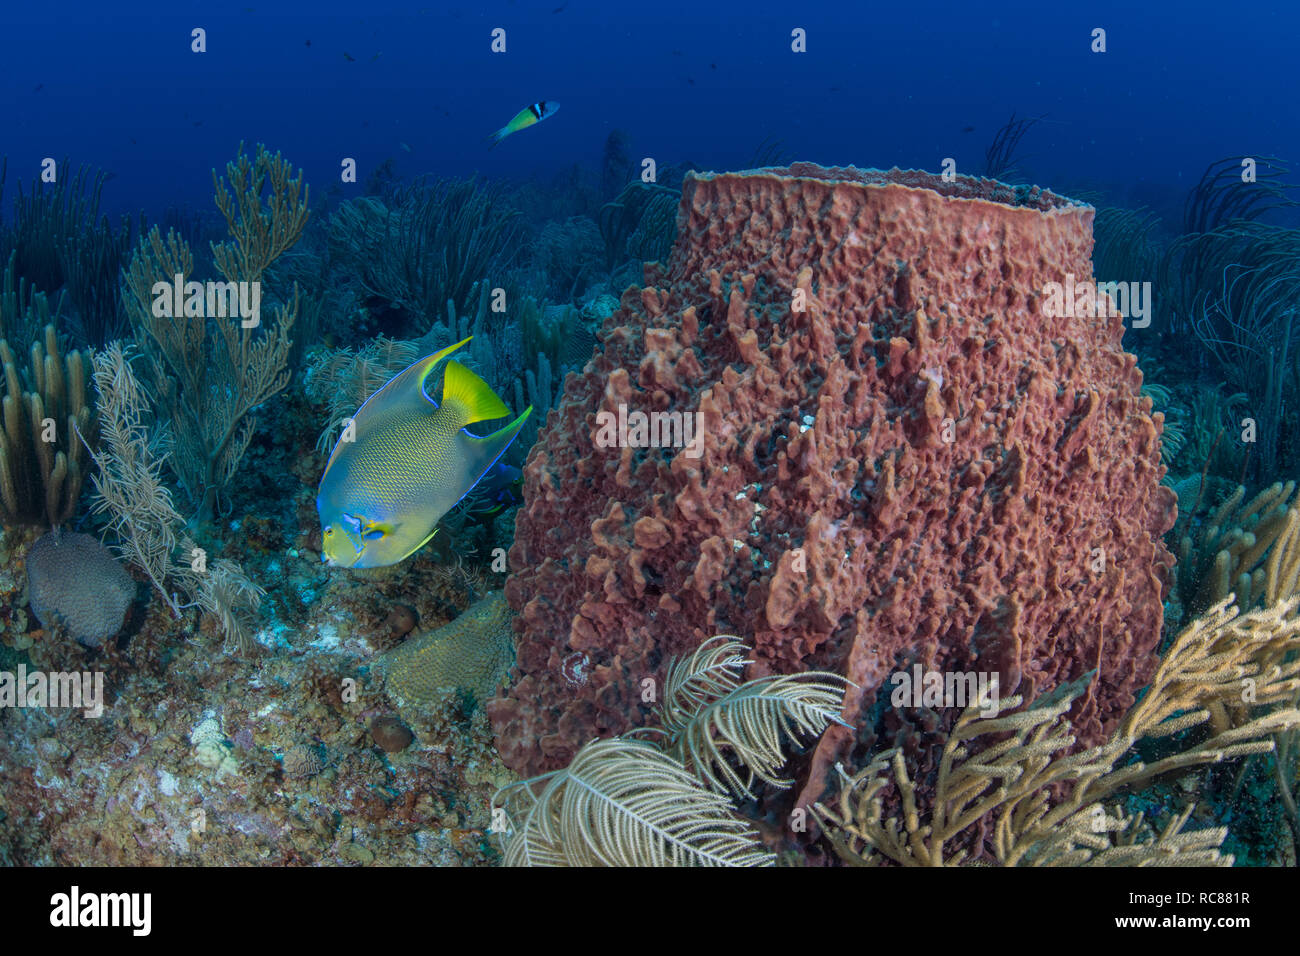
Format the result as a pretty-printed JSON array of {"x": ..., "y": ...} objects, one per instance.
[
  {"x": 74, "y": 581},
  {"x": 907, "y": 458},
  {"x": 473, "y": 653}
]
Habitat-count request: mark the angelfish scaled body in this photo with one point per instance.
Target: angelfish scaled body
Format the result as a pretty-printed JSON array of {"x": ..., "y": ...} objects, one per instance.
[{"x": 409, "y": 461}]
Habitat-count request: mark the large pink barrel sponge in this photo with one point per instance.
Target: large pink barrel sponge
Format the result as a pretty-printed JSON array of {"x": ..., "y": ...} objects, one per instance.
[{"x": 905, "y": 461}]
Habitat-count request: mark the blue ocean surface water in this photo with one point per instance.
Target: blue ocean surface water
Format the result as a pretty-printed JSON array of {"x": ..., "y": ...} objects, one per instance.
[{"x": 880, "y": 85}]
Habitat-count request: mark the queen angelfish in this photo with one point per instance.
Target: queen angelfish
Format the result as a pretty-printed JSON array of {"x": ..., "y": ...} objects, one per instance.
[{"x": 405, "y": 462}]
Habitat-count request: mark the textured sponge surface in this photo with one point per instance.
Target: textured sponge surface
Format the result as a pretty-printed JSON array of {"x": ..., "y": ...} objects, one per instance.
[{"x": 905, "y": 454}]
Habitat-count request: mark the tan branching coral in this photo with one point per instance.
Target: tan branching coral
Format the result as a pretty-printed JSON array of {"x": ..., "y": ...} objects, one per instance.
[
  {"x": 259, "y": 235},
  {"x": 1009, "y": 777},
  {"x": 42, "y": 463},
  {"x": 1245, "y": 549},
  {"x": 208, "y": 373},
  {"x": 1286, "y": 771}
]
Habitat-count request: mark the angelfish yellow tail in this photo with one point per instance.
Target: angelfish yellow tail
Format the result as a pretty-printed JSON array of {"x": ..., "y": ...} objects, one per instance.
[{"x": 468, "y": 398}]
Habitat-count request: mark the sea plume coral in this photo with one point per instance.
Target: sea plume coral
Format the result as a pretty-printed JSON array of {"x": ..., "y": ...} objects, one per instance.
[
  {"x": 344, "y": 378},
  {"x": 714, "y": 720},
  {"x": 1006, "y": 767},
  {"x": 128, "y": 482},
  {"x": 571, "y": 253},
  {"x": 427, "y": 243},
  {"x": 638, "y": 223},
  {"x": 130, "y": 490},
  {"x": 627, "y": 802}
]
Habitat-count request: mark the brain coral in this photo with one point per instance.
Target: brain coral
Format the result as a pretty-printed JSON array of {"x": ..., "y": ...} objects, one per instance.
[
  {"x": 905, "y": 460},
  {"x": 472, "y": 653},
  {"x": 74, "y": 580}
]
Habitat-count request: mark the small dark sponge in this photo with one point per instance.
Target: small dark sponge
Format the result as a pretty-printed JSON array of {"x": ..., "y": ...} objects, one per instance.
[
  {"x": 74, "y": 580},
  {"x": 390, "y": 733}
]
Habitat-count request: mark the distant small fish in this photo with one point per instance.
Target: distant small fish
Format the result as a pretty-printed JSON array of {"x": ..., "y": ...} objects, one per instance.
[
  {"x": 835, "y": 89},
  {"x": 713, "y": 66},
  {"x": 968, "y": 129},
  {"x": 376, "y": 56},
  {"x": 308, "y": 43},
  {"x": 677, "y": 52},
  {"x": 39, "y": 87},
  {"x": 405, "y": 148},
  {"x": 690, "y": 81},
  {"x": 198, "y": 122},
  {"x": 349, "y": 57},
  {"x": 559, "y": 9},
  {"x": 526, "y": 117}
]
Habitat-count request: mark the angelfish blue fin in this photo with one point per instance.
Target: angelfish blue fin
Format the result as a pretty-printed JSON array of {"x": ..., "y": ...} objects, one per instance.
[{"x": 486, "y": 450}]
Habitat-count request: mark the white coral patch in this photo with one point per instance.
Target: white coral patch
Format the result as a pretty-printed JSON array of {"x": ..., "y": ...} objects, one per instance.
[
  {"x": 166, "y": 783},
  {"x": 327, "y": 637}
]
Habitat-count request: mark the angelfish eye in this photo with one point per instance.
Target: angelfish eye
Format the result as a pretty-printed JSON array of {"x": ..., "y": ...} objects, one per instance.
[{"x": 328, "y": 531}]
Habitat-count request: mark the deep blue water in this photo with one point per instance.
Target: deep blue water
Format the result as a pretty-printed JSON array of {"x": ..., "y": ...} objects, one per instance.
[{"x": 117, "y": 87}]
